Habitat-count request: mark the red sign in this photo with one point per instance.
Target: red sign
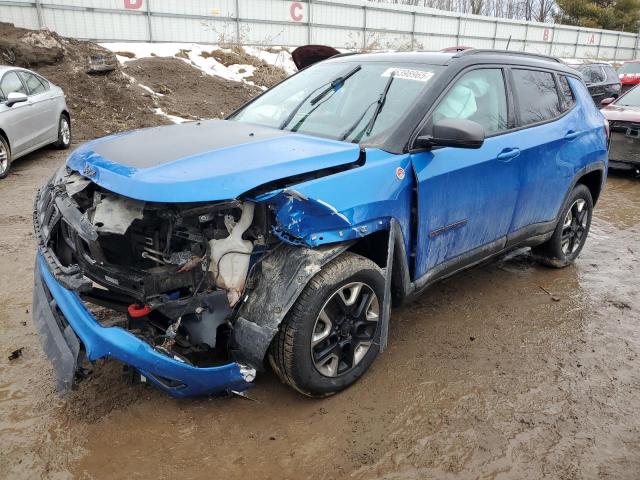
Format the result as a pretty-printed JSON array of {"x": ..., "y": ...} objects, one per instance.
[
  {"x": 132, "y": 4},
  {"x": 296, "y": 12}
]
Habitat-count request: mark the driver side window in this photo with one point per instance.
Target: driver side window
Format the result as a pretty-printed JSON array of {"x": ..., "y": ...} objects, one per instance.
[{"x": 479, "y": 96}]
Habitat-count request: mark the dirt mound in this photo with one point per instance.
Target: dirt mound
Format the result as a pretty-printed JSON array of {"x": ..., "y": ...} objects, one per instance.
[{"x": 186, "y": 91}]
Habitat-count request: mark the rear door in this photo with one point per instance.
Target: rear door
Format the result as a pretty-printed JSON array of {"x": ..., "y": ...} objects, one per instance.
[
  {"x": 549, "y": 125},
  {"x": 466, "y": 197},
  {"x": 43, "y": 120}
]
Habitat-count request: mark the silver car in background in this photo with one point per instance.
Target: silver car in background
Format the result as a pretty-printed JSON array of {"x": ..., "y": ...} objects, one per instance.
[{"x": 33, "y": 113}]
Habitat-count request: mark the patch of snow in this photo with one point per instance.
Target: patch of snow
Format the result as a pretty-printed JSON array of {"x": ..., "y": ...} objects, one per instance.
[
  {"x": 173, "y": 118},
  {"x": 144, "y": 87}
]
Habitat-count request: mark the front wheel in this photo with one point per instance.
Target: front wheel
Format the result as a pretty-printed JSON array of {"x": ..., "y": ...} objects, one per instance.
[
  {"x": 331, "y": 335},
  {"x": 571, "y": 231},
  {"x": 64, "y": 133}
]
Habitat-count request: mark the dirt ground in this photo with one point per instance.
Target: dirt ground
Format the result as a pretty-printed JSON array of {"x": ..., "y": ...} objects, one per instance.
[{"x": 486, "y": 376}]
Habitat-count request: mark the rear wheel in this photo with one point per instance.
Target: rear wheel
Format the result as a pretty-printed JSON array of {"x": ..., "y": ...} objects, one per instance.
[
  {"x": 571, "y": 231},
  {"x": 64, "y": 132},
  {"x": 5, "y": 158},
  {"x": 331, "y": 335}
]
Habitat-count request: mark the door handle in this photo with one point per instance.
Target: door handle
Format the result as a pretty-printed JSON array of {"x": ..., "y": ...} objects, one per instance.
[
  {"x": 571, "y": 135},
  {"x": 508, "y": 153}
]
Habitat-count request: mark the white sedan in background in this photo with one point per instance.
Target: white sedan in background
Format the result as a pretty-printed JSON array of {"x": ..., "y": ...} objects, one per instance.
[{"x": 33, "y": 113}]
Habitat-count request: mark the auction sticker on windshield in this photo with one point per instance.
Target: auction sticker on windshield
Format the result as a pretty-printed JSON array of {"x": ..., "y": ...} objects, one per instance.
[{"x": 409, "y": 74}]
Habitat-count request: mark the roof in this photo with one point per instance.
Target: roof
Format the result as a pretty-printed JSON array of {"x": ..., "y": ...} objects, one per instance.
[
  {"x": 4, "y": 68},
  {"x": 467, "y": 57}
]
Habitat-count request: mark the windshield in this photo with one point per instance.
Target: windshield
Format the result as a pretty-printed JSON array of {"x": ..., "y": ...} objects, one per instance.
[
  {"x": 341, "y": 100},
  {"x": 633, "y": 67},
  {"x": 630, "y": 99}
]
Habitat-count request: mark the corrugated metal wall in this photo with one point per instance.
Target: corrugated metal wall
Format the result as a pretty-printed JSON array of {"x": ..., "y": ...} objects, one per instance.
[{"x": 339, "y": 23}]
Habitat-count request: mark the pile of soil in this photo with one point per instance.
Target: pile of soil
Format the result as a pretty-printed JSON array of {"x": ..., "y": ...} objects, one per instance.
[
  {"x": 186, "y": 91},
  {"x": 100, "y": 103},
  {"x": 111, "y": 101}
]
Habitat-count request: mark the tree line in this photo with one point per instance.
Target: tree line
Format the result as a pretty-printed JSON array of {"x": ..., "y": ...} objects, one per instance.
[{"x": 622, "y": 15}]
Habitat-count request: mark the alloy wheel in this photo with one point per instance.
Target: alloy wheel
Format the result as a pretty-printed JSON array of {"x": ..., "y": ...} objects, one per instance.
[
  {"x": 65, "y": 131},
  {"x": 4, "y": 158},
  {"x": 345, "y": 329},
  {"x": 574, "y": 226}
]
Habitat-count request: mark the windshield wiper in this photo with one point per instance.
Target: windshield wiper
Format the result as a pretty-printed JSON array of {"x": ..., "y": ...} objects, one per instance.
[
  {"x": 336, "y": 83},
  {"x": 353, "y": 126},
  {"x": 381, "y": 101}
]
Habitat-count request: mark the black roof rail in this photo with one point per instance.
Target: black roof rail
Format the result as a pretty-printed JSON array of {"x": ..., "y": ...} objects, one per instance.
[{"x": 476, "y": 51}]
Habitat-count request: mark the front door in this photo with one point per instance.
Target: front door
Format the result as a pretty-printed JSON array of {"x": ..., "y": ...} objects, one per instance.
[{"x": 467, "y": 197}]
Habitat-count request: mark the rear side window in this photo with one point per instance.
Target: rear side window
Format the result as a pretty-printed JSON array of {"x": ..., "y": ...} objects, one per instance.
[
  {"x": 537, "y": 97},
  {"x": 567, "y": 99},
  {"x": 593, "y": 74},
  {"x": 34, "y": 84}
]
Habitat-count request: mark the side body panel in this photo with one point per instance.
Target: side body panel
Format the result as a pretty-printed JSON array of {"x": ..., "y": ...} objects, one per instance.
[
  {"x": 552, "y": 154},
  {"x": 466, "y": 199}
]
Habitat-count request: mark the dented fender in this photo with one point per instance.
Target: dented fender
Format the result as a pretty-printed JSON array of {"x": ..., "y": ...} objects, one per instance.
[{"x": 347, "y": 205}]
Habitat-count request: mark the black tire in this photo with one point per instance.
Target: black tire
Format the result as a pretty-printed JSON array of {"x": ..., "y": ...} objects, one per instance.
[
  {"x": 64, "y": 140},
  {"x": 5, "y": 157},
  {"x": 556, "y": 252},
  {"x": 291, "y": 351}
]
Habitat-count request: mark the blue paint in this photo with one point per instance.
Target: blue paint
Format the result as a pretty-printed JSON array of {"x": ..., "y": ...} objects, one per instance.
[
  {"x": 114, "y": 342},
  {"x": 497, "y": 197}
]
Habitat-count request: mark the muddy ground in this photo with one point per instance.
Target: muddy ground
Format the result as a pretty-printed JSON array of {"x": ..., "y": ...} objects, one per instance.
[{"x": 486, "y": 376}]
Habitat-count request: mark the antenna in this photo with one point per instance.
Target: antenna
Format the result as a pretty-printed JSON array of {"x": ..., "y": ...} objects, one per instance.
[{"x": 508, "y": 42}]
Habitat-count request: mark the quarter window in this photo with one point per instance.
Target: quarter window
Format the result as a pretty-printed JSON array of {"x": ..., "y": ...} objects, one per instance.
[
  {"x": 11, "y": 83},
  {"x": 479, "y": 96},
  {"x": 536, "y": 94},
  {"x": 34, "y": 84},
  {"x": 566, "y": 94}
]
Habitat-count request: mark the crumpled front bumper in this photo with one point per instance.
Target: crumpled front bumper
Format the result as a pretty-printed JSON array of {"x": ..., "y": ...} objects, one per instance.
[{"x": 66, "y": 326}]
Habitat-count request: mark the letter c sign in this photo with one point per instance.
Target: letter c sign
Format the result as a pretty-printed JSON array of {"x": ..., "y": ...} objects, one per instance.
[
  {"x": 296, "y": 12},
  {"x": 132, "y": 4}
]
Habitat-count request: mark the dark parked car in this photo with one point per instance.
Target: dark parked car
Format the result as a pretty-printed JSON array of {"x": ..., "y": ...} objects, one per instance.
[
  {"x": 284, "y": 233},
  {"x": 601, "y": 79},
  {"x": 623, "y": 115}
]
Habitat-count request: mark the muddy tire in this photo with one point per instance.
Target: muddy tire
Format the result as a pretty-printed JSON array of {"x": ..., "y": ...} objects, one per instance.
[
  {"x": 330, "y": 337},
  {"x": 571, "y": 231},
  {"x": 64, "y": 133},
  {"x": 5, "y": 157}
]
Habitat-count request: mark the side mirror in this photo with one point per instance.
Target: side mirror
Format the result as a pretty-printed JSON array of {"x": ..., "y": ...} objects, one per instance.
[
  {"x": 453, "y": 132},
  {"x": 15, "y": 97},
  {"x": 606, "y": 101}
]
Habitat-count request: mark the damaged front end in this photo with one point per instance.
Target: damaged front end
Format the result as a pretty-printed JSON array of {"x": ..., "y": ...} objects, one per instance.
[{"x": 152, "y": 285}]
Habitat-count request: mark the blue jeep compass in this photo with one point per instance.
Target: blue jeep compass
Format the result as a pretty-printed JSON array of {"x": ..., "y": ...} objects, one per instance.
[{"x": 198, "y": 253}]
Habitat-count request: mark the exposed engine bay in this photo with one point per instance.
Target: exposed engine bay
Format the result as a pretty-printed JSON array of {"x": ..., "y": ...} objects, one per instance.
[{"x": 176, "y": 271}]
